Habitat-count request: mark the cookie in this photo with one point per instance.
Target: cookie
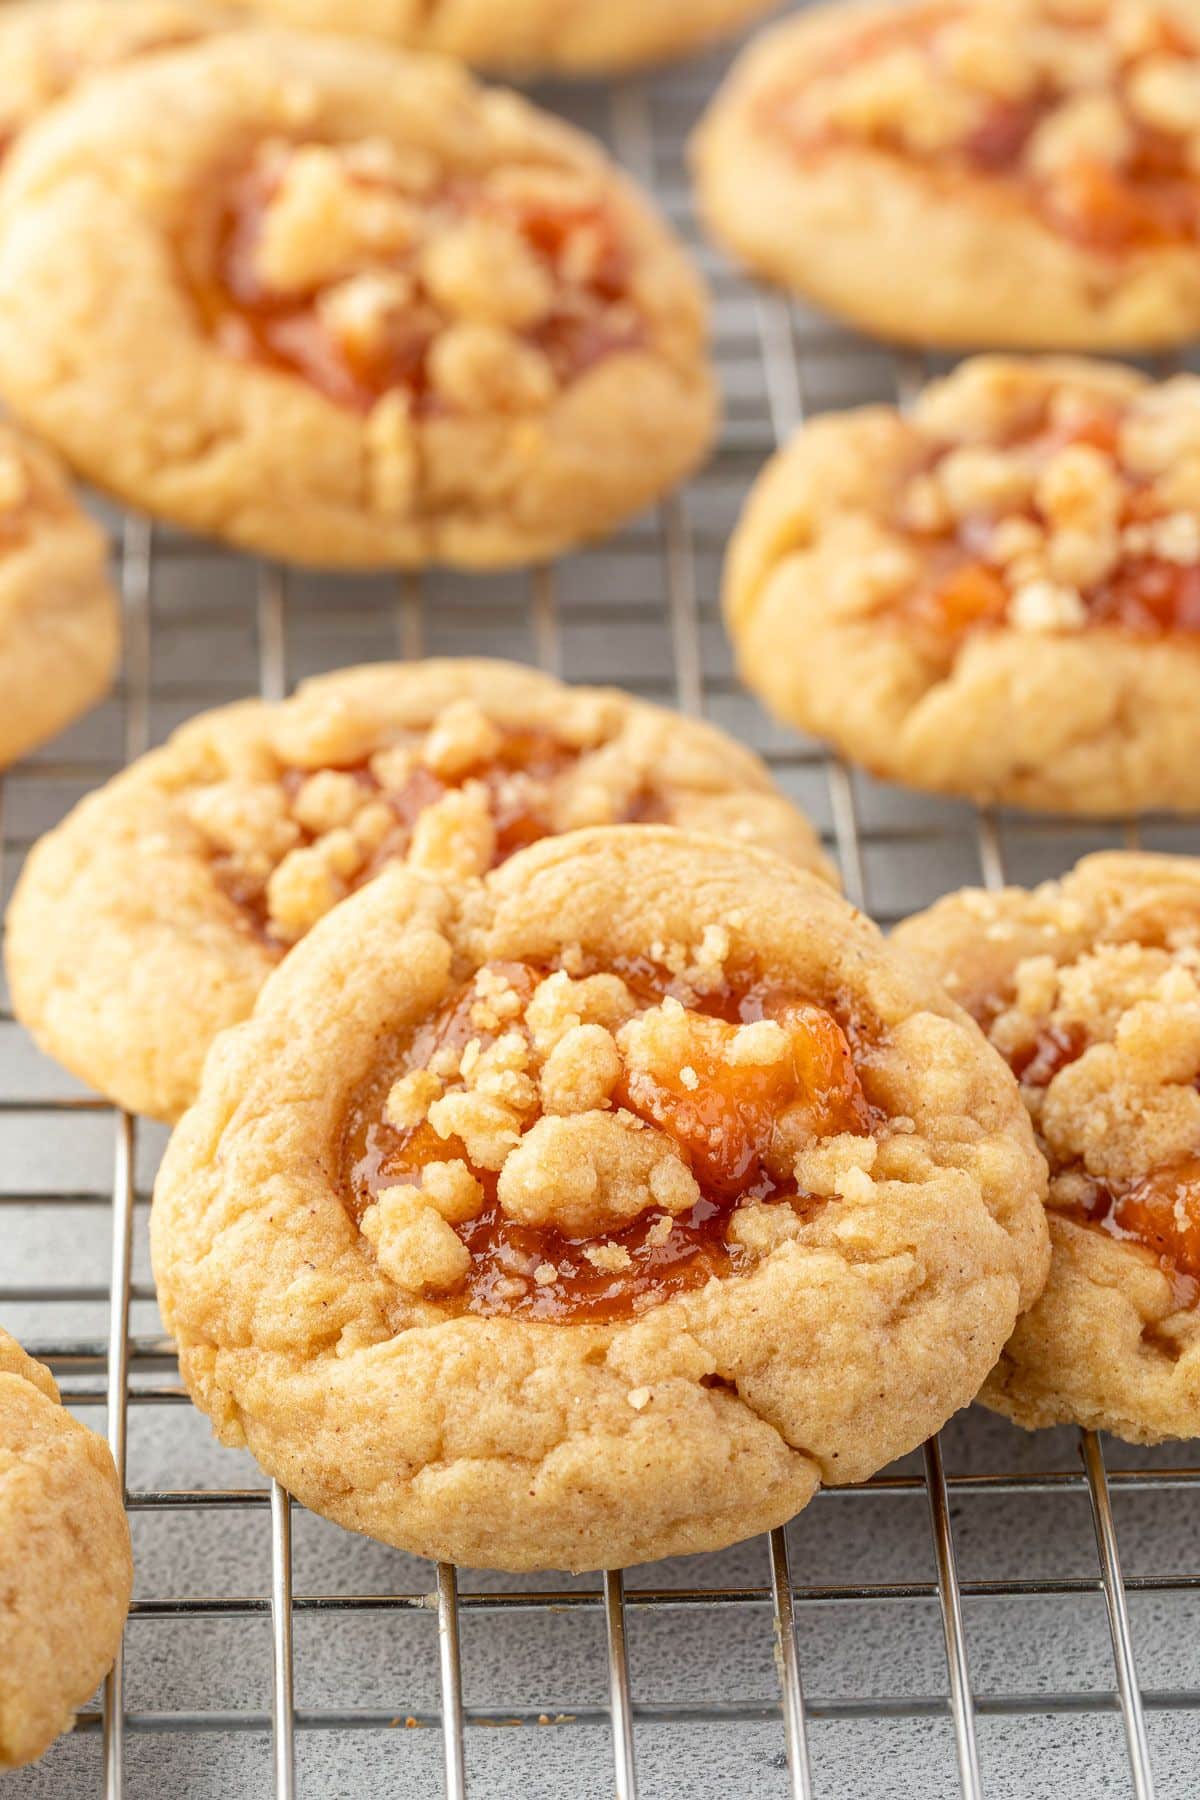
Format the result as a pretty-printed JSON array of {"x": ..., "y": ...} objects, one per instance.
[
  {"x": 66, "y": 1572},
  {"x": 59, "y": 618},
  {"x": 150, "y": 918},
  {"x": 1090, "y": 987},
  {"x": 597, "y": 1212},
  {"x": 996, "y": 594},
  {"x": 46, "y": 50},
  {"x": 1022, "y": 174},
  {"x": 525, "y": 37},
  {"x": 344, "y": 306}
]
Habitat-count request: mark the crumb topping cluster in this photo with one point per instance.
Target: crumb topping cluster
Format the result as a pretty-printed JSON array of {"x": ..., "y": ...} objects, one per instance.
[
  {"x": 1086, "y": 110},
  {"x": 455, "y": 800},
  {"x": 1051, "y": 511},
  {"x": 398, "y": 291},
  {"x": 580, "y": 1142},
  {"x": 1107, "y": 1050}
]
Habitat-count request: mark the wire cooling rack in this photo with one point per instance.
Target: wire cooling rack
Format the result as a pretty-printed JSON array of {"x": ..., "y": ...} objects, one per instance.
[{"x": 998, "y": 1615}]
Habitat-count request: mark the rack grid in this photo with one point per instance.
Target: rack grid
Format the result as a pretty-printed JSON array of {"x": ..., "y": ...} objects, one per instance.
[{"x": 645, "y": 603}]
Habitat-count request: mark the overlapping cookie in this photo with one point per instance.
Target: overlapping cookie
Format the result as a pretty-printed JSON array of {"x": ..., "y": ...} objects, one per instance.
[
  {"x": 995, "y": 594},
  {"x": 46, "y": 50},
  {"x": 596, "y": 1212},
  {"x": 1090, "y": 987},
  {"x": 65, "y": 1567},
  {"x": 344, "y": 306},
  {"x": 583, "y": 37},
  {"x": 151, "y": 917},
  {"x": 59, "y": 620},
  {"x": 1008, "y": 173}
]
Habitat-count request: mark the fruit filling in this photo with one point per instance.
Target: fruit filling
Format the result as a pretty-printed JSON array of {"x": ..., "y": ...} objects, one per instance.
[
  {"x": 1086, "y": 112},
  {"x": 1161, "y": 1213},
  {"x": 368, "y": 272},
  {"x": 1079, "y": 510},
  {"x": 454, "y": 800},
  {"x": 579, "y": 1146}
]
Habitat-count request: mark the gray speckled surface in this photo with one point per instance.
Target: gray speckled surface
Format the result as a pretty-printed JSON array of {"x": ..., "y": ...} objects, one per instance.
[{"x": 621, "y": 612}]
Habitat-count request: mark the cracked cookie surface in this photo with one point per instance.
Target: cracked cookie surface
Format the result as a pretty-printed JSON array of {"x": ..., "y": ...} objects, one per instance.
[
  {"x": 996, "y": 593},
  {"x": 596, "y": 1212},
  {"x": 521, "y": 37},
  {"x": 1090, "y": 987},
  {"x": 1019, "y": 173},
  {"x": 149, "y": 919},
  {"x": 345, "y": 306},
  {"x": 59, "y": 631},
  {"x": 66, "y": 1572}
]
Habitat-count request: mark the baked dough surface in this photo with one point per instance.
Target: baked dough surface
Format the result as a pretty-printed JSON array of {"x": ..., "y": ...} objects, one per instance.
[
  {"x": 996, "y": 593},
  {"x": 1090, "y": 986},
  {"x": 1012, "y": 173},
  {"x": 473, "y": 1423},
  {"x": 344, "y": 306},
  {"x": 149, "y": 919},
  {"x": 59, "y": 617},
  {"x": 66, "y": 1572},
  {"x": 522, "y": 37}
]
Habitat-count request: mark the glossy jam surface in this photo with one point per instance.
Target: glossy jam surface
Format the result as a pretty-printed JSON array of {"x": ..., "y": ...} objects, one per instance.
[
  {"x": 589, "y": 318},
  {"x": 1161, "y": 1213},
  {"x": 1149, "y": 200},
  {"x": 726, "y": 1121}
]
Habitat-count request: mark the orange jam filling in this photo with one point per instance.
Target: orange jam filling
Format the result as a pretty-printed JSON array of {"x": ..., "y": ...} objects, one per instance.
[
  {"x": 1151, "y": 200},
  {"x": 1161, "y": 1213},
  {"x": 591, "y": 316},
  {"x": 730, "y": 1127}
]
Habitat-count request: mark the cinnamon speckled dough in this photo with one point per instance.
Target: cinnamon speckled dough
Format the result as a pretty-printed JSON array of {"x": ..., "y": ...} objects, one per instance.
[
  {"x": 344, "y": 306},
  {"x": 959, "y": 596},
  {"x": 59, "y": 631},
  {"x": 1112, "y": 950},
  {"x": 862, "y": 1321},
  {"x": 127, "y": 947},
  {"x": 65, "y": 1567},
  {"x": 581, "y": 37},
  {"x": 46, "y": 50},
  {"x": 970, "y": 173}
]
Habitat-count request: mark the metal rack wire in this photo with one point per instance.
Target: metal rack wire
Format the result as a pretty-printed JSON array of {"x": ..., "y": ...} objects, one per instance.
[{"x": 773, "y": 358}]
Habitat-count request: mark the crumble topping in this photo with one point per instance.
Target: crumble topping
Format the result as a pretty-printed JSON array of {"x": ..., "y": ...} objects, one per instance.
[
  {"x": 1049, "y": 506},
  {"x": 1085, "y": 111},
  {"x": 398, "y": 290},
  {"x": 287, "y": 843},
  {"x": 580, "y": 1146}
]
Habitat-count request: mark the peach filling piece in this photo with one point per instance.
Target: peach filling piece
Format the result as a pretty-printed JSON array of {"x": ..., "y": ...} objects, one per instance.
[
  {"x": 1088, "y": 515},
  {"x": 378, "y": 279},
  {"x": 579, "y": 1148},
  {"x": 1090, "y": 121}
]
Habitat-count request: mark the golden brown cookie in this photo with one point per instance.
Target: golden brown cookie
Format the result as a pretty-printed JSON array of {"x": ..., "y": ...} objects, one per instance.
[
  {"x": 46, "y": 50},
  {"x": 66, "y": 1572},
  {"x": 344, "y": 306},
  {"x": 1090, "y": 987},
  {"x": 1016, "y": 173},
  {"x": 150, "y": 918},
  {"x": 59, "y": 619},
  {"x": 523, "y": 37},
  {"x": 597, "y": 1212},
  {"x": 995, "y": 594}
]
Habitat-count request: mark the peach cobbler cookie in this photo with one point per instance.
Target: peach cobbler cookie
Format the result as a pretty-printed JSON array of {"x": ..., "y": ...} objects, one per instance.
[
  {"x": 1090, "y": 987},
  {"x": 59, "y": 620},
  {"x": 46, "y": 50},
  {"x": 596, "y": 1212},
  {"x": 65, "y": 1567},
  {"x": 1017, "y": 173},
  {"x": 996, "y": 594},
  {"x": 524, "y": 37},
  {"x": 150, "y": 918},
  {"x": 344, "y": 306}
]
